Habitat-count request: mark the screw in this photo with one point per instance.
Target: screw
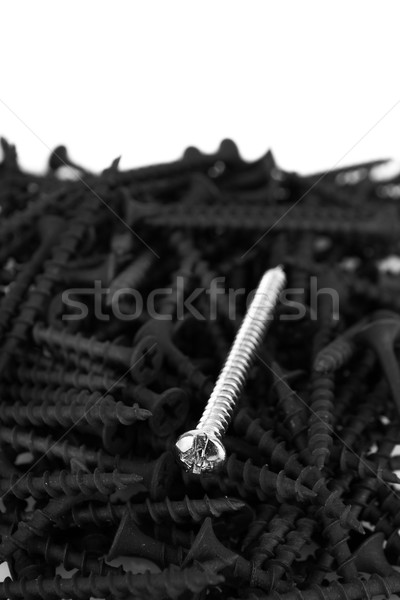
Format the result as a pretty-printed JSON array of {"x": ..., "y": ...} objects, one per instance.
[
  {"x": 65, "y": 407},
  {"x": 159, "y": 475},
  {"x": 129, "y": 540},
  {"x": 132, "y": 276},
  {"x": 275, "y": 533},
  {"x": 33, "y": 307},
  {"x": 380, "y": 332},
  {"x": 356, "y": 590},
  {"x": 65, "y": 555},
  {"x": 287, "y": 552},
  {"x": 49, "y": 228},
  {"x": 53, "y": 484},
  {"x": 207, "y": 547},
  {"x": 41, "y": 521},
  {"x": 143, "y": 360},
  {"x": 264, "y": 514},
  {"x": 177, "y": 511},
  {"x": 45, "y": 372},
  {"x": 201, "y": 450},
  {"x": 270, "y": 483},
  {"x": 290, "y": 404},
  {"x": 172, "y": 582}
]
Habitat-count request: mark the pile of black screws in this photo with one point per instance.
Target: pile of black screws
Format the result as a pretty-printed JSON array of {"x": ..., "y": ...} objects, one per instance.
[{"x": 120, "y": 298}]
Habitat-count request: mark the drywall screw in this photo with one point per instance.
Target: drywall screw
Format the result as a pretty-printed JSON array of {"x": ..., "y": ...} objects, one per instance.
[
  {"x": 40, "y": 522},
  {"x": 358, "y": 589},
  {"x": 178, "y": 511},
  {"x": 65, "y": 407},
  {"x": 44, "y": 372},
  {"x": 295, "y": 416},
  {"x": 264, "y": 514},
  {"x": 171, "y": 583},
  {"x": 380, "y": 332},
  {"x": 339, "y": 351},
  {"x": 143, "y": 359},
  {"x": 275, "y": 533},
  {"x": 243, "y": 217},
  {"x": 159, "y": 476},
  {"x": 23, "y": 566},
  {"x": 132, "y": 276},
  {"x": 173, "y": 356},
  {"x": 65, "y": 555},
  {"x": 269, "y": 482},
  {"x": 287, "y": 552},
  {"x": 201, "y": 270},
  {"x": 20, "y": 221},
  {"x": 207, "y": 547},
  {"x": 50, "y": 228},
  {"x": 320, "y": 419},
  {"x": 370, "y": 557},
  {"x": 63, "y": 482},
  {"x": 349, "y": 461},
  {"x": 201, "y": 450},
  {"x": 322, "y": 385},
  {"x": 33, "y": 307},
  {"x": 338, "y": 546},
  {"x": 280, "y": 458},
  {"x": 246, "y": 479}
]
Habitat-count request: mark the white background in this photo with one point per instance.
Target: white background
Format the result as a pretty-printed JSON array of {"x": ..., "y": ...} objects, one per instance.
[{"x": 318, "y": 82}]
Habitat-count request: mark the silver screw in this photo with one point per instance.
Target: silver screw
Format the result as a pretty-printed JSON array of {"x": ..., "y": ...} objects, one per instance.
[{"x": 200, "y": 450}]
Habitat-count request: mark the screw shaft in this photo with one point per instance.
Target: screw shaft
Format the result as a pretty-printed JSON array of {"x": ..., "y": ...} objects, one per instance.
[
  {"x": 201, "y": 450},
  {"x": 231, "y": 380}
]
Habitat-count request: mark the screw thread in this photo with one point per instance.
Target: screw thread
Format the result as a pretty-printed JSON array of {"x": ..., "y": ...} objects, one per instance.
[
  {"x": 64, "y": 450},
  {"x": 275, "y": 533},
  {"x": 172, "y": 582},
  {"x": 41, "y": 521},
  {"x": 270, "y": 483},
  {"x": 295, "y": 417},
  {"x": 68, "y": 558},
  {"x": 290, "y": 550},
  {"x": 263, "y": 516},
  {"x": 338, "y": 546},
  {"x": 33, "y": 307},
  {"x": 56, "y": 375},
  {"x": 308, "y": 476},
  {"x": 177, "y": 511},
  {"x": 335, "y": 355},
  {"x": 320, "y": 421},
  {"x": 53, "y": 484},
  {"x": 217, "y": 414}
]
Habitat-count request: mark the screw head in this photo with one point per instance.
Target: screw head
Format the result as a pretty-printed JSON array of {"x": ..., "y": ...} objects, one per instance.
[{"x": 200, "y": 452}]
